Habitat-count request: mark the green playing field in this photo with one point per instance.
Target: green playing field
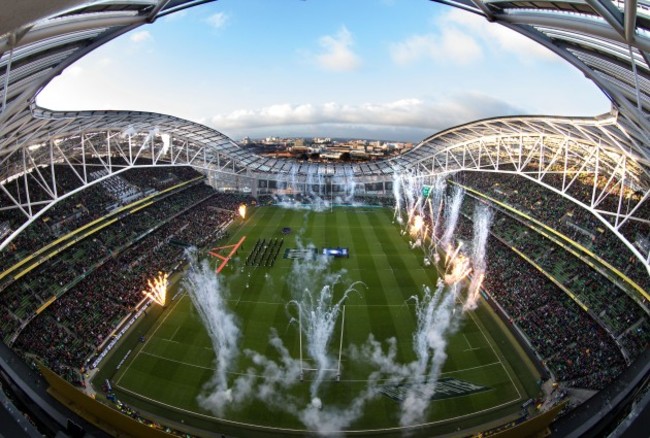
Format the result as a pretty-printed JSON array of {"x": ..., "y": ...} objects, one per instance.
[{"x": 483, "y": 379}]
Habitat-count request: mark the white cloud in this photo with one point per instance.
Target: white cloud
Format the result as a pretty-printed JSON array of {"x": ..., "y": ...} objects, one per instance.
[
  {"x": 415, "y": 114},
  {"x": 337, "y": 54},
  {"x": 499, "y": 38},
  {"x": 450, "y": 45},
  {"x": 463, "y": 38},
  {"x": 141, "y": 36},
  {"x": 217, "y": 20}
]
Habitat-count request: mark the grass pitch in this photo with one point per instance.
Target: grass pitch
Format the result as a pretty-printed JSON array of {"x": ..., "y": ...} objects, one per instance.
[{"x": 165, "y": 374}]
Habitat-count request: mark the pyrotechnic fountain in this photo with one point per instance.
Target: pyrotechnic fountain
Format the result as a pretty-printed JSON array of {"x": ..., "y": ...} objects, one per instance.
[
  {"x": 482, "y": 221},
  {"x": 417, "y": 224},
  {"x": 312, "y": 289},
  {"x": 209, "y": 297},
  {"x": 242, "y": 211},
  {"x": 436, "y": 208},
  {"x": 289, "y": 189},
  {"x": 437, "y": 314},
  {"x": 457, "y": 266},
  {"x": 348, "y": 184},
  {"x": 437, "y": 320},
  {"x": 157, "y": 289},
  {"x": 314, "y": 190},
  {"x": 420, "y": 208},
  {"x": 407, "y": 190},
  {"x": 452, "y": 212}
]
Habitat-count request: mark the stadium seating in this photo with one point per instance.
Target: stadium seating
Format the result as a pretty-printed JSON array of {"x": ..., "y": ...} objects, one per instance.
[{"x": 565, "y": 216}]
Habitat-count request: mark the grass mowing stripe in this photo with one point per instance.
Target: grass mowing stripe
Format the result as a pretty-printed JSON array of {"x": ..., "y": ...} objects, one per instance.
[
  {"x": 395, "y": 259},
  {"x": 158, "y": 325},
  {"x": 358, "y": 322},
  {"x": 385, "y": 321},
  {"x": 519, "y": 397}
]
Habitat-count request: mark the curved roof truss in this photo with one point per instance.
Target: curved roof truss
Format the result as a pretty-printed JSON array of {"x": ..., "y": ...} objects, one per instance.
[{"x": 538, "y": 148}]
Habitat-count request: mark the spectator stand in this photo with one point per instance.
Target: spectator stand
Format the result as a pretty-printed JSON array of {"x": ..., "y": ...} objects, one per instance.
[
  {"x": 599, "y": 295},
  {"x": 594, "y": 258}
]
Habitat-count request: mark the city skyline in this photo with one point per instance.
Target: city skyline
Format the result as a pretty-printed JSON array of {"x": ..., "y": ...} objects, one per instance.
[{"x": 381, "y": 69}]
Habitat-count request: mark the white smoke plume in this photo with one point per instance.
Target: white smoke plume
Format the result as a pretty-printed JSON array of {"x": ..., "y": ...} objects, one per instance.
[
  {"x": 482, "y": 220},
  {"x": 437, "y": 319},
  {"x": 209, "y": 295},
  {"x": 312, "y": 287},
  {"x": 270, "y": 380},
  {"x": 314, "y": 191},
  {"x": 451, "y": 217},
  {"x": 397, "y": 194},
  {"x": 436, "y": 204}
]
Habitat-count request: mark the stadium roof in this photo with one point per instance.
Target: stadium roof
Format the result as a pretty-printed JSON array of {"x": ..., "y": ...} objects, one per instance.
[{"x": 608, "y": 41}]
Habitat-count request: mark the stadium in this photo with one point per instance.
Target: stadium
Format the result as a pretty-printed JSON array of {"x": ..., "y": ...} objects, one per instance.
[{"x": 157, "y": 279}]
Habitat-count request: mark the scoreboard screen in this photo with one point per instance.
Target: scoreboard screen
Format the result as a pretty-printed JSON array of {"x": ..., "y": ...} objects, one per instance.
[{"x": 336, "y": 252}]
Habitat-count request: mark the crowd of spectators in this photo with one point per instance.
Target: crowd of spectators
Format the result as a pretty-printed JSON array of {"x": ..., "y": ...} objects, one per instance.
[
  {"x": 570, "y": 342},
  {"x": 86, "y": 310},
  {"x": 567, "y": 217},
  {"x": 54, "y": 276},
  {"x": 80, "y": 208},
  {"x": 608, "y": 303}
]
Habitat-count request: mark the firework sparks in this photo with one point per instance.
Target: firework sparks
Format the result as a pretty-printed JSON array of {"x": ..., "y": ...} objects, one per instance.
[
  {"x": 157, "y": 288},
  {"x": 457, "y": 266},
  {"x": 242, "y": 211},
  {"x": 417, "y": 225}
]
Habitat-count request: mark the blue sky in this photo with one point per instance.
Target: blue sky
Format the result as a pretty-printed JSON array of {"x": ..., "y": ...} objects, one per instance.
[{"x": 389, "y": 69}]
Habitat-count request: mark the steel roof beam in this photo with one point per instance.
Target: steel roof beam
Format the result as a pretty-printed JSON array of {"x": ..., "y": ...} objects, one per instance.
[
  {"x": 69, "y": 27},
  {"x": 571, "y": 23},
  {"x": 484, "y": 8},
  {"x": 610, "y": 13},
  {"x": 154, "y": 12}
]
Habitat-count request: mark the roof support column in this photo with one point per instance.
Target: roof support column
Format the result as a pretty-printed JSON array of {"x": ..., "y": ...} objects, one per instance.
[{"x": 629, "y": 19}]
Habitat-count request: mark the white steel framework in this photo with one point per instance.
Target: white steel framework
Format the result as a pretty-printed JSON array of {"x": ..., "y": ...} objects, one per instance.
[{"x": 553, "y": 152}]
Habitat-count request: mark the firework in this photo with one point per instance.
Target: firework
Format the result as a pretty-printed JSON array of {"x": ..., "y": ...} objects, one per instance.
[
  {"x": 157, "y": 288},
  {"x": 417, "y": 225},
  {"x": 242, "y": 211},
  {"x": 457, "y": 266}
]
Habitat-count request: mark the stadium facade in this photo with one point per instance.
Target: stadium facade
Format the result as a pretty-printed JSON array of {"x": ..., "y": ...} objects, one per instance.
[{"x": 607, "y": 41}]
